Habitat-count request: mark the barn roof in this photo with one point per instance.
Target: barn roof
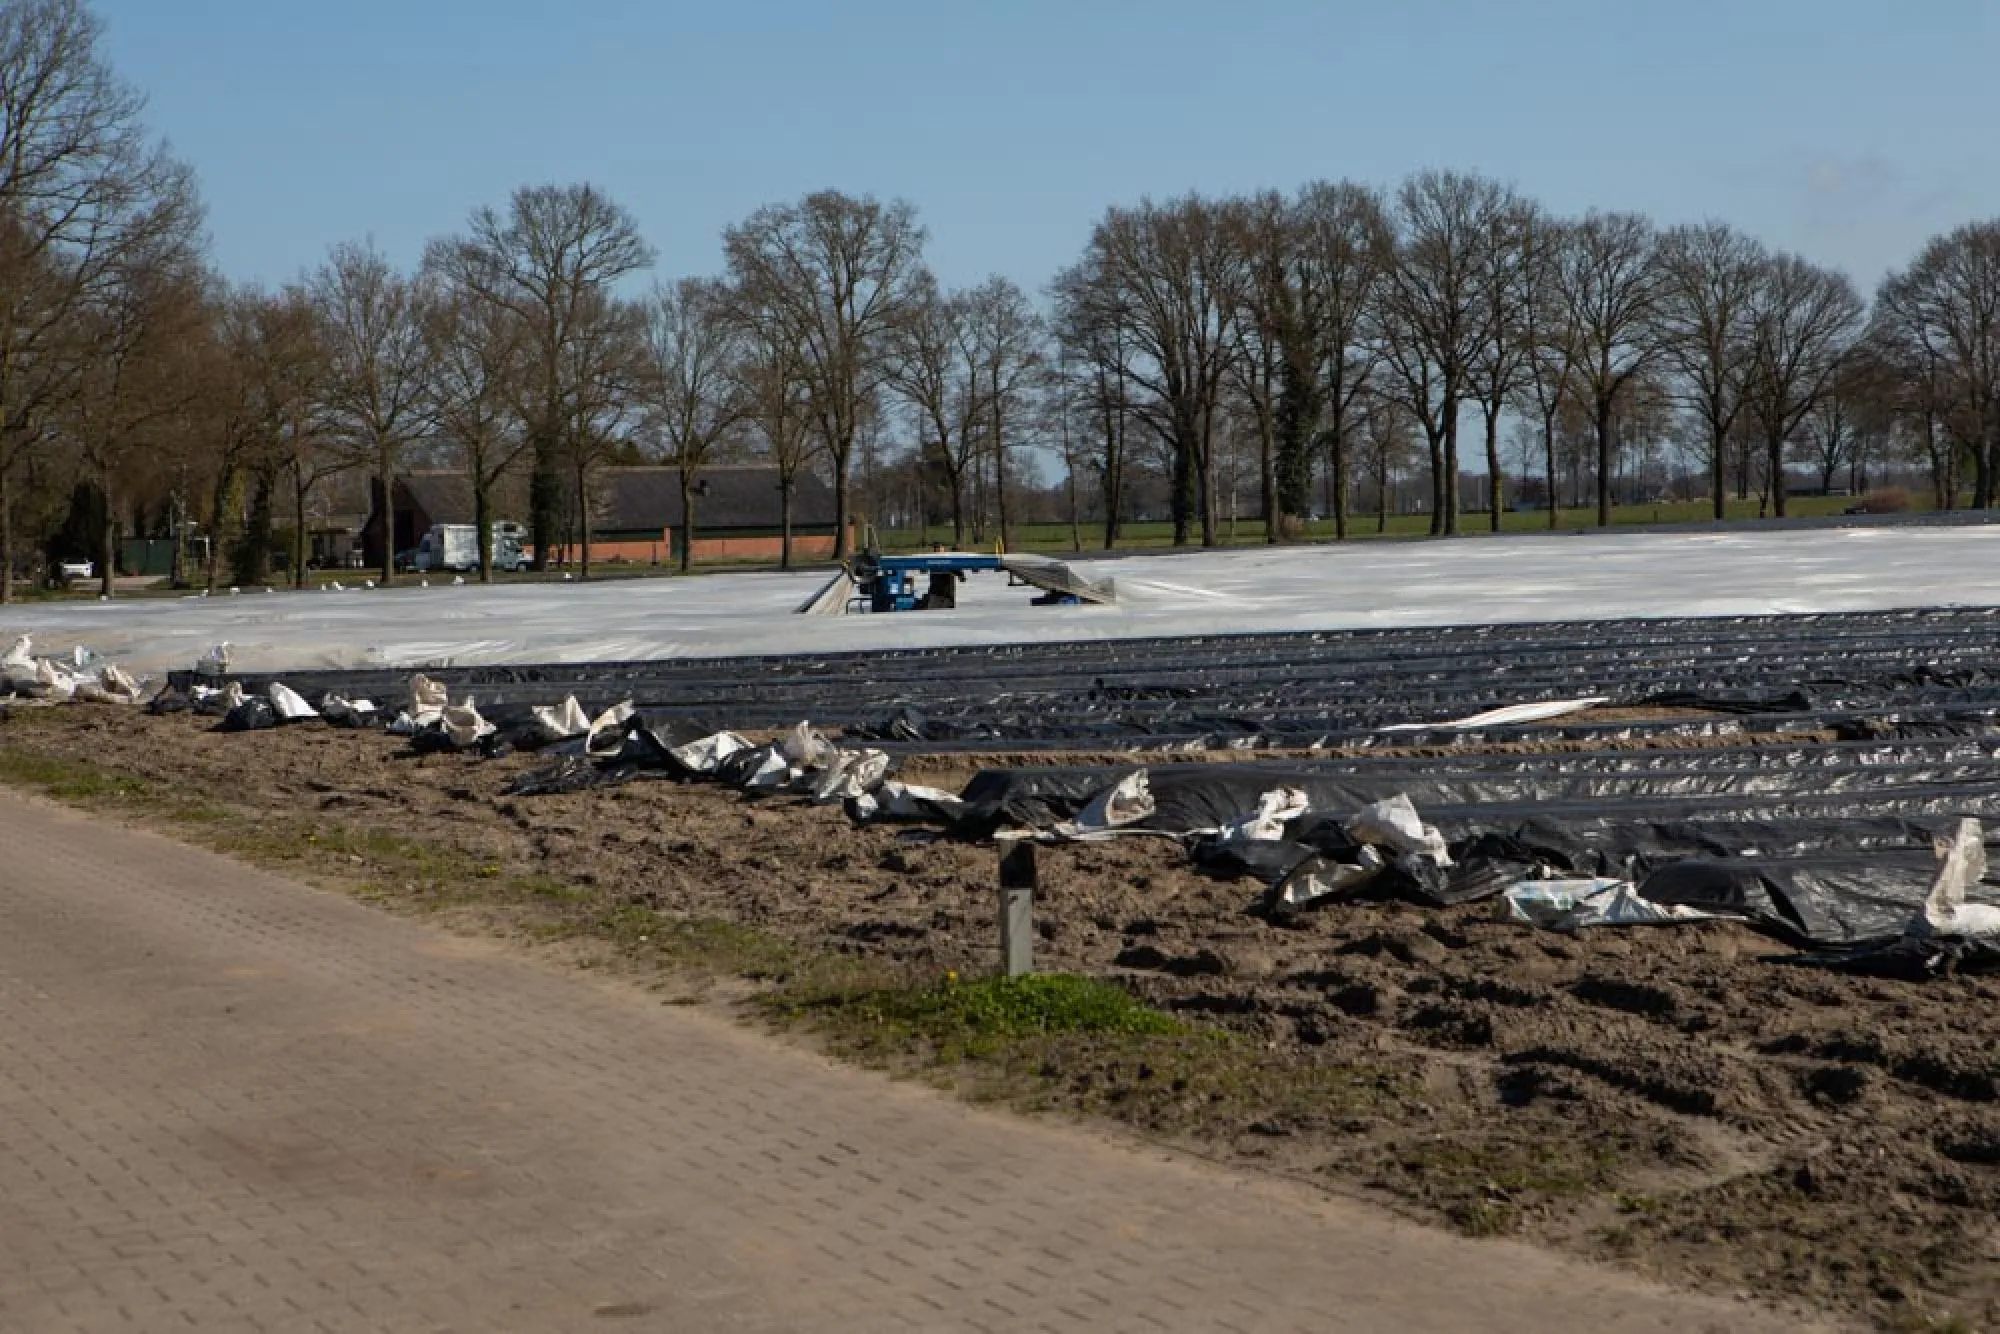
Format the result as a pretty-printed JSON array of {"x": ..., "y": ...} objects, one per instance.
[{"x": 636, "y": 499}]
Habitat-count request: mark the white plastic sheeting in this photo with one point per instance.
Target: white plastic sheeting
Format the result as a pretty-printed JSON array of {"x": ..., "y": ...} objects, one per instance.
[
  {"x": 1946, "y": 914},
  {"x": 1572, "y": 905},
  {"x": 1513, "y": 713},
  {"x": 56, "y": 680},
  {"x": 1356, "y": 585}
]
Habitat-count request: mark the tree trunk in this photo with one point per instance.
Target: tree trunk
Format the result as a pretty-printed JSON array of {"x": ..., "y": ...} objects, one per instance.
[
  {"x": 1774, "y": 464},
  {"x": 1554, "y": 498},
  {"x": 957, "y": 476},
  {"x": 253, "y": 565},
  {"x": 840, "y": 456},
  {"x": 1114, "y": 474},
  {"x": 1434, "y": 437},
  {"x": 582, "y": 519},
  {"x": 1451, "y": 496},
  {"x": 107, "y": 541},
  {"x": 1603, "y": 460},
  {"x": 1495, "y": 482},
  {"x": 482, "y": 521},
  {"x": 1719, "y": 479},
  {"x": 785, "y": 520},
  {"x": 1982, "y": 475},
  {"x": 223, "y": 494},
  {"x": 687, "y": 521},
  {"x": 301, "y": 486},
  {"x": 1000, "y": 490},
  {"x": 1075, "y": 513},
  {"x": 1382, "y": 496},
  {"x": 6, "y": 530},
  {"x": 1185, "y": 483},
  {"x": 385, "y": 474},
  {"x": 1267, "y": 481},
  {"x": 544, "y": 500},
  {"x": 1336, "y": 471}
]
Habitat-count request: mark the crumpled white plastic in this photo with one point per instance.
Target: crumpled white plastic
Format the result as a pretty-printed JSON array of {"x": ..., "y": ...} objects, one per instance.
[
  {"x": 1320, "y": 877},
  {"x": 605, "y": 733},
  {"x": 851, "y": 773},
  {"x": 804, "y": 748},
  {"x": 288, "y": 704},
  {"x": 1124, "y": 803},
  {"x": 707, "y": 754},
  {"x": 428, "y": 700},
  {"x": 1275, "y": 809},
  {"x": 463, "y": 724},
  {"x": 1512, "y": 714},
  {"x": 340, "y": 709},
  {"x": 1571, "y": 905},
  {"x": 1395, "y": 825},
  {"x": 562, "y": 722},
  {"x": 908, "y": 801},
  {"x": 1946, "y": 914}
]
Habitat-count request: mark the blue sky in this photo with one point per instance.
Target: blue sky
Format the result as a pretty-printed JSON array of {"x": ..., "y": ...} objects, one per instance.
[{"x": 1848, "y": 131}]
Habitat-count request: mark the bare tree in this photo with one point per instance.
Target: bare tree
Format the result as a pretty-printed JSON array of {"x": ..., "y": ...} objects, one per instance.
[
  {"x": 695, "y": 384},
  {"x": 1005, "y": 347},
  {"x": 1435, "y": 311},
  {"x": 1804, "y": 320},
  {"x": 778, "y": 402},
  {"x": 1550, "y": 343},
  {"x": 377, "y": 390},
  {"x": 1709, "y": 279},
  {"x": 1345, "y": 250},
  {"x": 479, "y": 358},
  {"x": 605, "y": 367},
  {"x": 1504, "y": 360},
  {"x": 133, "y": 375},
  {"x": 1270, "y": 335},
  {"x": 1098, "y": 351},
  {"x": 1610, "y": 286},
  {"x": 1167, "y": 277},
  {"x": 551, "y": 260},
  {"x": 934, "y": 370},
  {"x": 1941, "y": 318},
  {"x": 834, "y": 273},
  {"x": 81, "y": 187}
]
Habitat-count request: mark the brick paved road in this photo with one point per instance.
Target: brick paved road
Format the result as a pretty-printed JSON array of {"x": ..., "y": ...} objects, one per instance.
[{"x": 231, "y": 1102}]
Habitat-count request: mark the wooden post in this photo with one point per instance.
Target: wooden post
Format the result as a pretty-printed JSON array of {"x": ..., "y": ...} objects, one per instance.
[{"x": 1017, "y": 903}]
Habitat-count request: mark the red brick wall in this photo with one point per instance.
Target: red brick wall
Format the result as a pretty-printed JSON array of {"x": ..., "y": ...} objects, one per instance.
[{"x": 661, "y": 552}]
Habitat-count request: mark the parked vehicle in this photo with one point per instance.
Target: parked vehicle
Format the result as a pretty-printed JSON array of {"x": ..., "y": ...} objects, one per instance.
[
  {"x": 455, "y": 546},
  {"x": 77, "y": 569}
]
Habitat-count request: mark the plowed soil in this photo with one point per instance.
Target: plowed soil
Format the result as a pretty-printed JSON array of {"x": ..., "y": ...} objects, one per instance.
[{"x": 1678, "y": 1099}]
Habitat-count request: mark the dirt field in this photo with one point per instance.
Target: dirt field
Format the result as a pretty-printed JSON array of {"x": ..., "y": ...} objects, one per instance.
[{"x": 1672, "y": 1098}]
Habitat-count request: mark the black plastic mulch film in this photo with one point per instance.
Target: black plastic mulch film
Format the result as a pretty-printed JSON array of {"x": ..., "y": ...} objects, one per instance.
[{"x": 1826, "y": 844}]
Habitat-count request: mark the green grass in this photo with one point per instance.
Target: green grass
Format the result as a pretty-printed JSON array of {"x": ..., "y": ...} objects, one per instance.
[
  {"x": 972, "y": 1020},
  {"x": 66, "y": 780},
  {"x": 1250, "y": 532}
]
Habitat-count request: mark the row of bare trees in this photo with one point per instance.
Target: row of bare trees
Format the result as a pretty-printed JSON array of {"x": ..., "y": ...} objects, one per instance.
[
  {"x": 1322, "y": 339},
  {"x": 1458, "y": 303}
]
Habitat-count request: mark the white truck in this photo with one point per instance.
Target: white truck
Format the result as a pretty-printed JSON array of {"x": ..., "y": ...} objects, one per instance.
[{"x": 455, "y": 546}]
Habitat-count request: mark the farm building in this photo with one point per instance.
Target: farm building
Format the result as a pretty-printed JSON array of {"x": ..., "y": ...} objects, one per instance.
[{"x": 635, "y": 514}]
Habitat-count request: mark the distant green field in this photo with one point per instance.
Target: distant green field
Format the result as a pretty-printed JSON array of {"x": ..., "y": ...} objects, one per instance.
[
  {"x": 1056, "y": 537},
  {"x": 1250, "y": 532}
]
